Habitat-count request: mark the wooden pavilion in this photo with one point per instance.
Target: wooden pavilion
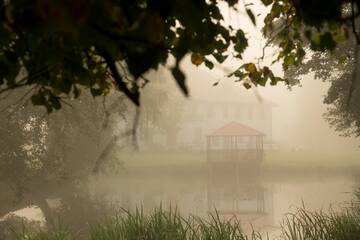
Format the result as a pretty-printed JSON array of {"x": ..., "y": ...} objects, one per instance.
[
  {"x": 235, "y": 142},
  {"x": 234, "y": 154}
]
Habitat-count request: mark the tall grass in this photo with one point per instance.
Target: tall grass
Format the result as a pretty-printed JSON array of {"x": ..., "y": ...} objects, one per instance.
[
  {"x": 168, "y": 225},
  {"x": 319, "y": 225}
]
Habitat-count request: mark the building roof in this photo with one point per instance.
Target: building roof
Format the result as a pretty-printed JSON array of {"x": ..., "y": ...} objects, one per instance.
[{"x": 236, "y": 129}]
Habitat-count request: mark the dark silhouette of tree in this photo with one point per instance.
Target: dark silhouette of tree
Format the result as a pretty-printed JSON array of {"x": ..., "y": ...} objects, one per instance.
[{"x": 52, "y": 156}]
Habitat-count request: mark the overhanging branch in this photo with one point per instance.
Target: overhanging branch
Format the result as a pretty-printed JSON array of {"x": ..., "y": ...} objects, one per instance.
[{"x": 134, "y": 96}]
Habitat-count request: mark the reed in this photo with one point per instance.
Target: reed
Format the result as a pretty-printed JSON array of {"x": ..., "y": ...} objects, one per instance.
[
  {"x": 318, "y": 225},
  {"x": 168, "y": 224}
]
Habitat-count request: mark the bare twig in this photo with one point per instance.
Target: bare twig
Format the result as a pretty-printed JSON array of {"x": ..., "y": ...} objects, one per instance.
[
  {"x": 354, "y": 77},
  {"x": 6, "y": 96},
  {"x": 272, "y": 38},
  {"x": 111, "y": 144},
  {"x": 353, "y": 23},
  {"x": 356, "y": 62},
  {"x": 19, "y": 101},
  {"x": 146, "y": 81},
  {"x": 125, "y": 39},
  {"x": 25, "y": 80},
  {"x": 65, "y": 102},
  {"x": 135, "y": 128}
]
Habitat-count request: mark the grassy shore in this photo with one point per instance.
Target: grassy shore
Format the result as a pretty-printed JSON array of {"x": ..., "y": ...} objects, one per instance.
[
  {"x": 170, "y": 225},
  {"x": 300, "y": 162}
]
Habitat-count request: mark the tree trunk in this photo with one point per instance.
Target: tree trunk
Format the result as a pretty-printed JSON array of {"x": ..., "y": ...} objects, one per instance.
[{"x": 46, "y": 210}]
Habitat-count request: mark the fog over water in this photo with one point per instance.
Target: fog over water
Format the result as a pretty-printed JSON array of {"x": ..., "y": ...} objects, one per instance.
[{"x": 256, "y": 154}]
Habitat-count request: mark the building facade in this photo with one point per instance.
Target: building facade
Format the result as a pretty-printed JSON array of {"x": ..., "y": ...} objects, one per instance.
[{"x": 203, "y": 117}]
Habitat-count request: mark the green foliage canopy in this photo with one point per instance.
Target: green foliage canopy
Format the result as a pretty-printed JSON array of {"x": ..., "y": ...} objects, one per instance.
[{"x": 58, "y": 46}]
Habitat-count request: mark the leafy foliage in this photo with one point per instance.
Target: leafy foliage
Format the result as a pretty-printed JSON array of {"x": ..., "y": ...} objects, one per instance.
[
  {"x": 294, "y": 27},
  {"x": 59, "y": 46},
  {"x": 339, "y": 70},
  {"x": 320, "y": 225},
  {"x": 329, "y": 39},
  {"x": 52, "y": 156}
]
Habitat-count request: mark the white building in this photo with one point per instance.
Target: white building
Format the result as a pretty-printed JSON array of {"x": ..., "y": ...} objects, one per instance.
[
  {"x": 203, "y": 117},
  {"x": 211, "y": 107}
]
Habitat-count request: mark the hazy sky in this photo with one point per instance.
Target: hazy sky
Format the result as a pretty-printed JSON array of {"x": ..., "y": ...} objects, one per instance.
[{"x": 298, "y": 120}]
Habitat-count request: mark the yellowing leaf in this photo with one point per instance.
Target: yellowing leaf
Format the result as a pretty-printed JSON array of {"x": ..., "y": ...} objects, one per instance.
[
  {"x": 250, "y": 67},
  {"x": 197, "y": 59}
]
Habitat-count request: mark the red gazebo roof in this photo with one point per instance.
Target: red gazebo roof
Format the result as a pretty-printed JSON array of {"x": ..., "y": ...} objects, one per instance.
[{"x": 236, "y": 129}]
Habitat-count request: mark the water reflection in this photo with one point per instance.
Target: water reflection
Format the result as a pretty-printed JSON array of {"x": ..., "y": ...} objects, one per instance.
[
  {"x": 234, "y": 186},
  {"x": 231, "y": 187}
]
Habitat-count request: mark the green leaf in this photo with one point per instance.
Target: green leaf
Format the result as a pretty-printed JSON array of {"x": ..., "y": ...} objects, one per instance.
[
  {"x": 209, "y": 64},
  {"x": 180, "y": 79},
  {"x": 256, "y": 77},
  {"x": 232, "y": 2},
  {"x": 240, "y": 75},
  {"x": 289, "y": 60},
  {"x": 251, "y": 16},
  {"x": 55, "y": 102},
  {"x": 250, "y": 67},
  {"x": 276, "y": 10},
  {"x": 219, "y": 57},
  {"x": 38, "y": 99},
  {"x": 267, "y": 2},
  {"x": 96, "y": 92},
  {"x": 63, "y": 86},
  {"x": 215, "y": 12},
  {"x": 4, "y": 70},
  {"x": 327, "y": 41},
  {"x": 241, "y": 42},
  {"x": 247, "y": 85}
]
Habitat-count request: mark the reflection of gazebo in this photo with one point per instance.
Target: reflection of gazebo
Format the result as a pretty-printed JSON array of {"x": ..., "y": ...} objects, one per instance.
[{"x": 234, "y": 154}]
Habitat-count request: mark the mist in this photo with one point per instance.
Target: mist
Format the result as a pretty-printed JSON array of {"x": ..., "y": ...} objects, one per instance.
[{"x": 206, "y": 145}]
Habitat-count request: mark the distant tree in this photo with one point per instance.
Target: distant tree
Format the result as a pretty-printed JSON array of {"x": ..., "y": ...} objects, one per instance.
[
  {"x": 53, "y": 51},
  {"x": 163, "y": 113},
  {"x": 338, "y": 68},
  {"x": 52, "y": 156},
  {"x": 321, "y": 37}
]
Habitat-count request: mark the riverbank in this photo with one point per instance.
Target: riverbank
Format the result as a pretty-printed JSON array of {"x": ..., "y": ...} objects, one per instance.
[{"x": 276, "y": 164}]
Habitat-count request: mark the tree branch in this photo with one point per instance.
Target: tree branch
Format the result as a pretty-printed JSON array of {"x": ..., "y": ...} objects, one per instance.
[
  {"x": 353, "y": 24},
  {"x": 127, "y": 39},
  {"x": 133, "y": 96},
  {"x": 111, "y": 144}
]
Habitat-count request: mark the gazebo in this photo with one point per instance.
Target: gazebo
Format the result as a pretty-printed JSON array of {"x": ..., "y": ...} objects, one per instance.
[
  {"x": 234, "y": 154},
  {"x": 235, "y": 142}
]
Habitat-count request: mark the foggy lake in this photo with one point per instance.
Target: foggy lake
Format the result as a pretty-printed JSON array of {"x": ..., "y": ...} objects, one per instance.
[
  {"x": 163, "y": 120},
  {"x": 260, "y": 202}
]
